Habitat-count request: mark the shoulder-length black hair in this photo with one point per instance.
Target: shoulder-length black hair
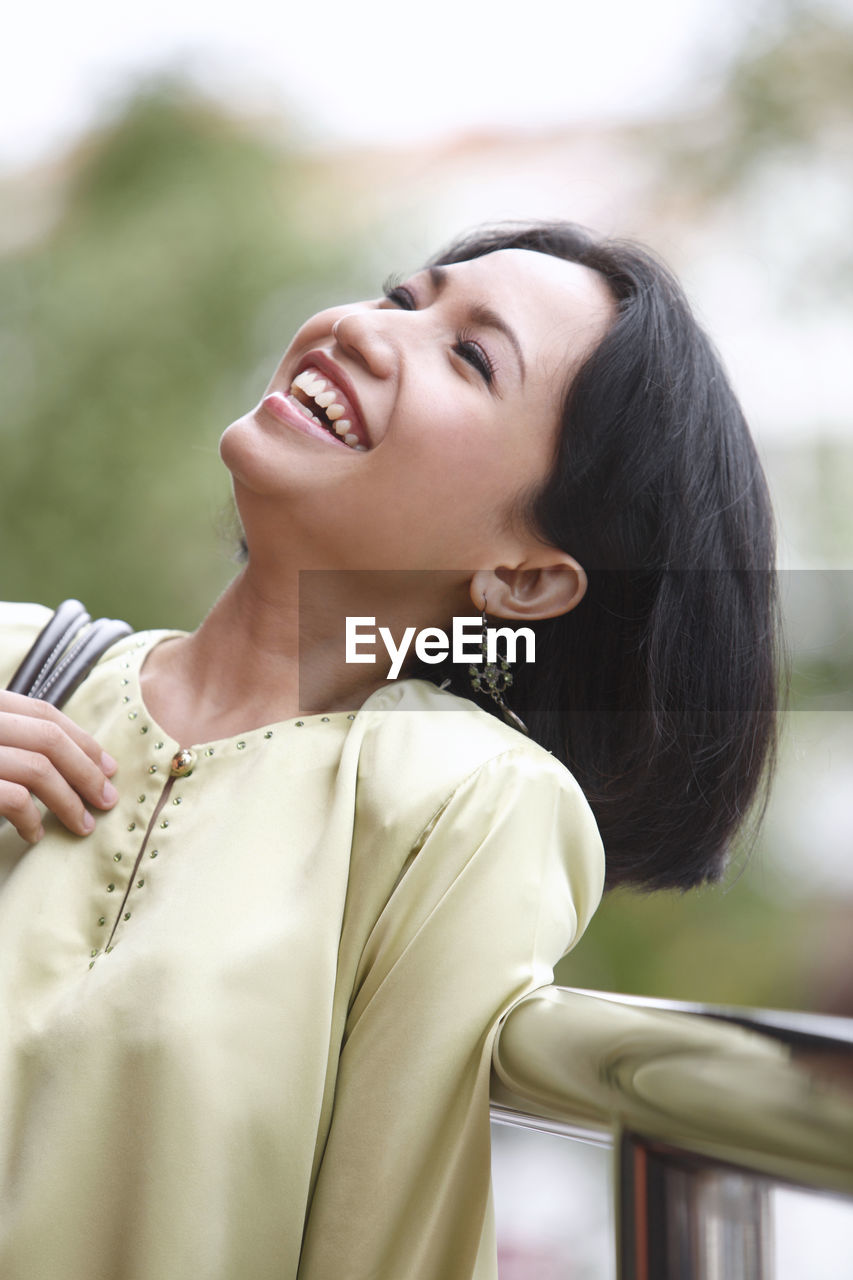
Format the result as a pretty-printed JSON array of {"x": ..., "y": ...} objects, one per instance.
[{"x": 659, "y": 690}]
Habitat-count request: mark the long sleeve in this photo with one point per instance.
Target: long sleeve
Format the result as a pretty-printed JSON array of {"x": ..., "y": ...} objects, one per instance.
[{"x": 500, "y": 885}]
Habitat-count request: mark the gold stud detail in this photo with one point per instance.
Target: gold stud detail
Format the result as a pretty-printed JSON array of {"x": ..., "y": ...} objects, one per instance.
[
  {"x": 350, "y": 716},
  {"x": 94, "y": 951},
  {"x": 102, "y": 920},
  {"x": 143, "y": 728},
  {"x": 153, "y": 853},
  {"x": 111, "y": 888},
  {"x": 131, "y": 715},
  {"x": 299, "y": 724},
  {"x": 182, "y": 763},
  {"x": 159, "y": 746},
  {"x": 324, "y": 719},
  {"x": 116, "y": 857},
  {"x": 152, "y": 768},
  {"x": 140, "y": 883},
  {"x": 268, "y": 733},
  {"x": 209, "y": 751},
  {"x": 164, "y": 823},
  {"x": 178, "y": 800},
  {"x": 127, "y": 915},
  {"x": 240, "y": 746},
  {"x": 140, "y": 799},
  {"x": 131, "y": 826}
]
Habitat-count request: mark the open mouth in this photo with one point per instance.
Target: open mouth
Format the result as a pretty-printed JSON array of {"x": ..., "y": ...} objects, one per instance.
[{"x": 320, "y": 399}]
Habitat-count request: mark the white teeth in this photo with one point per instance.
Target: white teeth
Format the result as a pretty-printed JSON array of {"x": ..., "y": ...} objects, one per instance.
[
  {"x": 305, "y": 381},
  {"x": 304, "y": 408},
  {"x": 313, "y": 385},
  {"x": 342, "y": 426}
]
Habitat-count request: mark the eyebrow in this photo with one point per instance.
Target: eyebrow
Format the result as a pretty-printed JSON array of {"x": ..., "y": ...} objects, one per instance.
[{"x": 483, "y": 315}]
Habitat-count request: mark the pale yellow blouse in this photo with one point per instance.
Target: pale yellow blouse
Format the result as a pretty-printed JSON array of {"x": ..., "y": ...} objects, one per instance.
[{"x": 250, "y": 1039}]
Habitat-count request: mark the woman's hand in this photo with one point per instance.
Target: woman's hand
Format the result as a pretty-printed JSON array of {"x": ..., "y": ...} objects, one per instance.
[{"x": 45, "y": 755}]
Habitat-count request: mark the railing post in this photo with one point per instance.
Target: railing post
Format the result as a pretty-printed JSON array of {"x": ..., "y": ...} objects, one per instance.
[{"x": 683, "y": 1217}]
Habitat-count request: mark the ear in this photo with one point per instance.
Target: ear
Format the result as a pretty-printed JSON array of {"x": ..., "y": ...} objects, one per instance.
[{"x": 528, "y": 594}]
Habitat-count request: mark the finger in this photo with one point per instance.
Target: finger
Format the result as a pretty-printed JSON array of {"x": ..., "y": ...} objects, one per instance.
[
  {"x": 18, "y": 806},
  {"x": 49, "y": 737},
  {"x": 37, "y": 710},
  {"x": 36, "y": 726},
  {"x": 48, "y": 740},
  {"x": 41, "y": 778}
]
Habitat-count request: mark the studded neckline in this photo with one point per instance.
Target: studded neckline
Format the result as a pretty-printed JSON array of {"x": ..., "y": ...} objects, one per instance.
[{"x": 142, "y": 645}]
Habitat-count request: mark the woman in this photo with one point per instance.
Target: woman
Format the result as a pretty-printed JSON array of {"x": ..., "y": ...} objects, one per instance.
[{"x": 251, "y": 1013}]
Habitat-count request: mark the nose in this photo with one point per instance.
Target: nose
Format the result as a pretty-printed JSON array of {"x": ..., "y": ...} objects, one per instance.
[{"x": 364, "y": 336}]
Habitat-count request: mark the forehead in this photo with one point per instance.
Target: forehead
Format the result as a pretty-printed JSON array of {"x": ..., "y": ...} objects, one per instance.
[{"x": 555, "y": 306}]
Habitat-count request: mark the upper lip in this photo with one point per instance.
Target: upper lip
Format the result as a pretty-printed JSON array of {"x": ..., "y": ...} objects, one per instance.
[{"x": 321, "y": 361}]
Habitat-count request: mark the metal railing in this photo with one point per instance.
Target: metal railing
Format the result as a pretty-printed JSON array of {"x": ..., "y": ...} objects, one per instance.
[{"x": 708, "y": 1110}]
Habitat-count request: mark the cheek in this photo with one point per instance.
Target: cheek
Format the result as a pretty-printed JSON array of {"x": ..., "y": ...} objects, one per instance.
[
  {"x": 455, "y": 492},
  {"x": 493, "y": 457}
]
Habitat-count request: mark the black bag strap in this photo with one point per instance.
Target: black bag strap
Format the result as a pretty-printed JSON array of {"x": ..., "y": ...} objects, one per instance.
[
  {"x": 50, "y": 642},
  {"x": 64, "y": 652}
]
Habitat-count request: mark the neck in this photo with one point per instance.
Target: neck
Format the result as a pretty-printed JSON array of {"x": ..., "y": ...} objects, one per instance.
[{"x": 263, "y": 655}]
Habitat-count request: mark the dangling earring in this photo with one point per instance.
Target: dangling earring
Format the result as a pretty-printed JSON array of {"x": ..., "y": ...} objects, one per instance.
[{"x": 494, "y": 678}]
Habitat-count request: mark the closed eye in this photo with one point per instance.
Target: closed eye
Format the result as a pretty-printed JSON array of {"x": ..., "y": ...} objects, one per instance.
[
  {"x": 476, "y": 356},
  {"x": 399, "y": 294}
]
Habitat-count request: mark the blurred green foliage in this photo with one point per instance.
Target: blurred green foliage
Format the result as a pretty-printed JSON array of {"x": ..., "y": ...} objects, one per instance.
[
  {"x": 781, "y": 129},
  {"x": 151, "y": 316},
  {"x": 735, "y": 946},
  {"x": 788, "y": 86}
]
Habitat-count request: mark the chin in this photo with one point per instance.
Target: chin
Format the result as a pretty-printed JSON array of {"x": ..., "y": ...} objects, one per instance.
[{"x": 242, "y": 450}]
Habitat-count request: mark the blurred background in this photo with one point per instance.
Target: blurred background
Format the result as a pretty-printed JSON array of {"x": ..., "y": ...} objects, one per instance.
[{"x": 181, "y": 185}]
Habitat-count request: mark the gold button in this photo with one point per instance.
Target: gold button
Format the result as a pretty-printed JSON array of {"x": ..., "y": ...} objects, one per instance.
[{"x": 182, "y": 763}]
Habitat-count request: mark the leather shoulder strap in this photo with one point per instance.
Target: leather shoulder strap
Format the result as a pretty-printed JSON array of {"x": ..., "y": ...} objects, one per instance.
[{"x": 64, "y": 652}]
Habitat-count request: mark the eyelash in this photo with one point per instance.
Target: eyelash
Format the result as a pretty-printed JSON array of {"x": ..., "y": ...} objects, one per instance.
[{"x": 465, "y": 346}]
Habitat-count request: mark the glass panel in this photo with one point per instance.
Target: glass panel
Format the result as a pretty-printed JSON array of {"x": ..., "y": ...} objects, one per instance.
[
  {"x": 814, "y": 1235},
  {"x": 553, "y": 1207}
]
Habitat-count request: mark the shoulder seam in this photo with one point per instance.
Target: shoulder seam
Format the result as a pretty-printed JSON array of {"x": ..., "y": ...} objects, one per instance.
[{"x": 516, "y": 749}]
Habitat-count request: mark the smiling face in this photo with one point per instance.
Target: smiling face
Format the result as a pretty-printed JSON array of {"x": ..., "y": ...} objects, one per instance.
[{"x": 434, "y": 413}]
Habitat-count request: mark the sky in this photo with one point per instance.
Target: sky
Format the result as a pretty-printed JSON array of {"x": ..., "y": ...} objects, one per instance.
[{"x": 370, "y": 72}]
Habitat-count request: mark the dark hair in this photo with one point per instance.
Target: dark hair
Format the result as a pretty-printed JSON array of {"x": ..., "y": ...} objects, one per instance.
[{"x": 659, "y": 690}]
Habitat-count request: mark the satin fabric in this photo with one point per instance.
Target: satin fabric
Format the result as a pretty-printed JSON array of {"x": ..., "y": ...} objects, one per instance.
[{"x": 280, "y": 1069}]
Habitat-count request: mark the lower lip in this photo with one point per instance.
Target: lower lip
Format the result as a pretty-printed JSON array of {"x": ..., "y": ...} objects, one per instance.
[{"x": 284, "y": 410}]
